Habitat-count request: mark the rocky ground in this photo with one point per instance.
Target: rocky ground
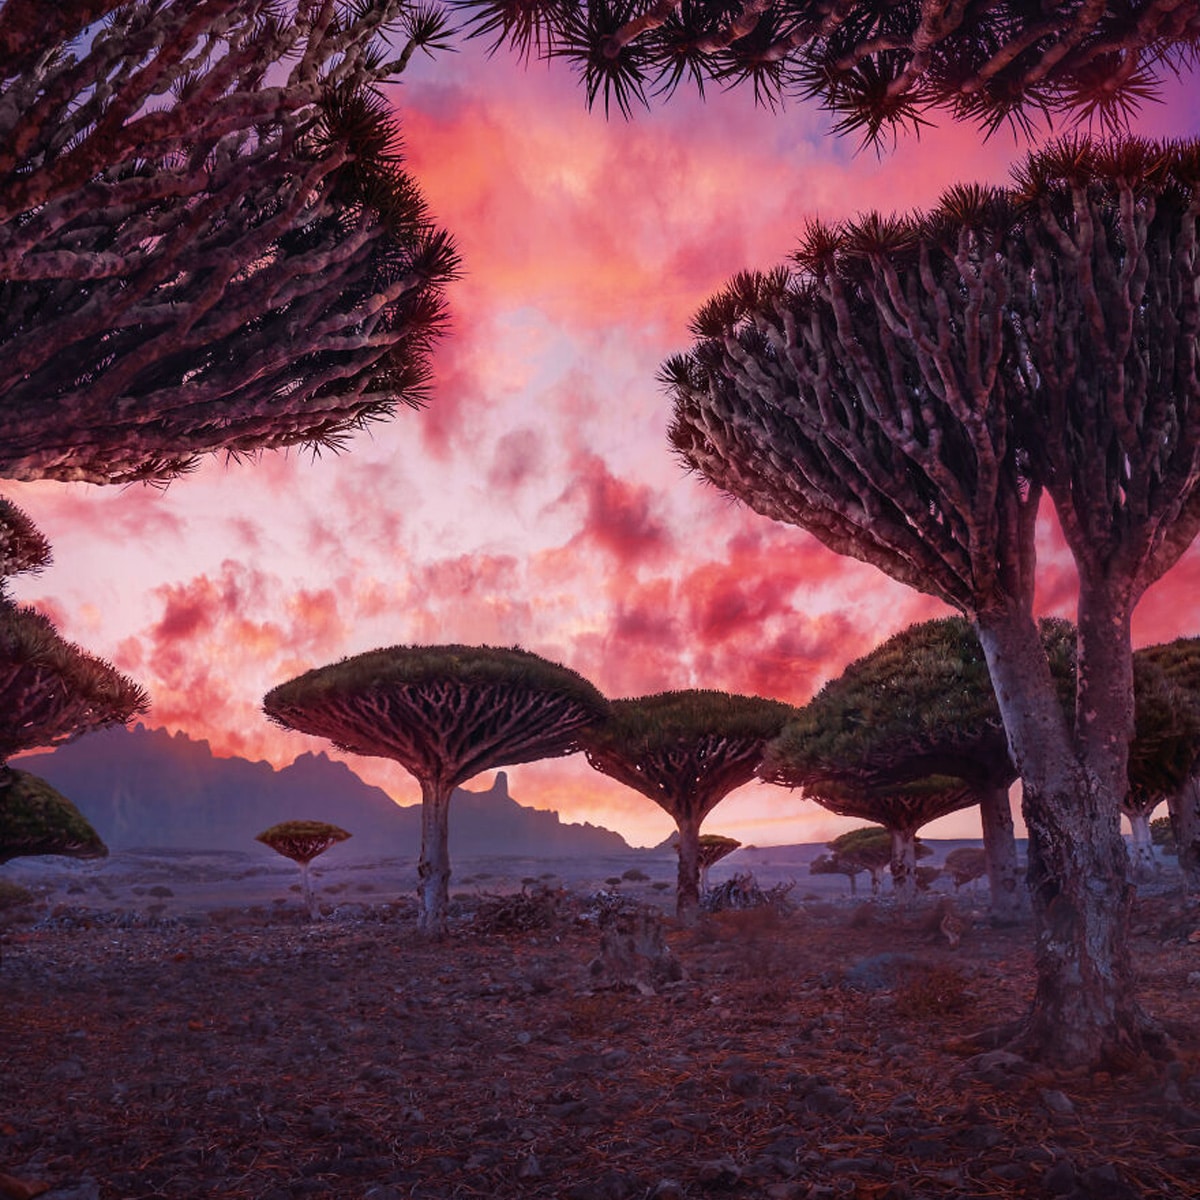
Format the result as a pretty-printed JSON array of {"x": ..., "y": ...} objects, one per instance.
[{"x": 568, "y": 1047}]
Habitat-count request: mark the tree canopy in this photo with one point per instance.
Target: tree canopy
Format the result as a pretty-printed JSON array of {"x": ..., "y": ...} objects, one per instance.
[
  {"x": 686, "y": 751},
  {"x": 874, "y": 66},
  {"x": 23, "y": 547},
  {"x": 302, "y": 841},
  {"x": 207, "y": 240},
  {"x": 445, "y": 713},
  {"x": 441, "y": 711},
  {"x": 910, "y": 391},
  {"x": 36, "y": 819},
  {"x": 52, "y": 691}
]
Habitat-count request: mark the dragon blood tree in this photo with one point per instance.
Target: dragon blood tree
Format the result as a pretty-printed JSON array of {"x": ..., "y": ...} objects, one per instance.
[
  {"x": 868, "y": 848},
  {"x": 445, "y": 713},
  {"x": 922, "y": 703},
  {"x": 50, "y": 690},
  {"x": 711, "y": 848},
  {"x": 1180, "y": 663},
  {"x": 302, "y": 841},
  {"x": 686, "y": 751},
  {"x": 873, "y": 65},
  {"x": 911, "y": 392},
  {"x": 902, "y": 808},
  {"x": 35, "y": 819},
  {"x": 1162, "y": 755},
  {"x": 207, "y": 241}
]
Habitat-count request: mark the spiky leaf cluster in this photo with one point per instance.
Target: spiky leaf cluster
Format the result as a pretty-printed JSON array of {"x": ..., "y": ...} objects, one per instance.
[
  {"x": 910, "y": 387},
  {"x": 35, "y": 819},
  {"x": 685, "y": 750},
  {"x": 52, "y": 691},
  {"x": 302, "y": 841},
  {"x": 23, "y": 547},
  {"x": 207, "y": 241},
  {"x": 874, "y": 66},
  {"x": 444, "y": 712}
]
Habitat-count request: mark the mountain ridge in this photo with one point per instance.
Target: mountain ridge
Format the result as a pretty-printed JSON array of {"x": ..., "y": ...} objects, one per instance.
[{"x": 147, "y": 788}]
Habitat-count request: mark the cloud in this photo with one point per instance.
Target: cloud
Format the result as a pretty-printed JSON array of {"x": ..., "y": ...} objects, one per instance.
[
  {"x": 519, "y": 456},
  {"x": 619, "y": 517}
]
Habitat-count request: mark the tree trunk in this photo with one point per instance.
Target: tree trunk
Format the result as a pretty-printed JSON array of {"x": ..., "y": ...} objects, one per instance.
[
  {"x": 433, "y": 870},
  {"x": 904, "y": 865},
  {"x": 1008, "y": 899},
  {"x": 306, "y": 890},
  {"x": 1084, "y": 1008},
  {"x": 1185, "y": 824},
  {"x": 876, "y": 881},
  {"x": 853, "y": 884},
  {"x": 687, "y": 892},
  {"x": 1142, "y": 853}
]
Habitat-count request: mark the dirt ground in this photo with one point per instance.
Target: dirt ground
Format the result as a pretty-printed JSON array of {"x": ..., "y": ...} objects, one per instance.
[{"x": 566, "y": 1045}]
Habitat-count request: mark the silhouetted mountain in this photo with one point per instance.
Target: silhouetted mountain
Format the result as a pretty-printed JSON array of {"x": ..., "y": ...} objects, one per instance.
[{"x": 146, "y": 788}]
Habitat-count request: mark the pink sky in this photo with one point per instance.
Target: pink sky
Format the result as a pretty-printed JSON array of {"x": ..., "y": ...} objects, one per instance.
[{"x": 535, "y": 502}]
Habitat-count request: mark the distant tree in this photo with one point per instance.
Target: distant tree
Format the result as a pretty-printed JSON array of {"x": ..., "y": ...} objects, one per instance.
[
  {"x": 922, "y": 703},
  {"x": 965, "y": 864},
  {"x": 686, "y": 751},
  {"x": 445, "y": 713},
  {"x": 1180, "y": 662},
  {"x": 206, "y": 239},
  {"x": 833, "y": 864},
  {"x": 35, "y": 819},
  {"x": 1162, "y": 833},
  {"x": 302, "y": 841},
  {"x": 711, "y": 849},
  {"x": 902, "y": 808},
  {"x": 911, "y": 393},
  {"x": 1165, "y": 747},
  {"x": 873, "y": 65},
  {"x": 869, "y": 848}
]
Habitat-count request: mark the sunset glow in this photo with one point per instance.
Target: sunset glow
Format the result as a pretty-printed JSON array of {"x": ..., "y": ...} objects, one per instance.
[{"x": 535, "y": 502}]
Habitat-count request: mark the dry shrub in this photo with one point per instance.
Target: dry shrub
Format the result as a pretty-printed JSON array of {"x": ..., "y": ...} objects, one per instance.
[
  {"x": 932, "y": 991},
  {"x": 13, "y": 895},
  {"x": 534, "y": 908}
]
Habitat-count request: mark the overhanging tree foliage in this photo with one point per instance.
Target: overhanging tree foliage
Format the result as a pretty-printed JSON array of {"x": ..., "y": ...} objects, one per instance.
[
  {"x": 686, "y": 751},
  {"x": 36, "y": 819},
  {"x": 302, "y": 841},
  {"x": 206, "y": 238},
  {"x": 445, "y": 713},
  {"x": 909, "y": 393},
  {"x": 50, "y": 690},
  {"x": 874, "y": 66}
]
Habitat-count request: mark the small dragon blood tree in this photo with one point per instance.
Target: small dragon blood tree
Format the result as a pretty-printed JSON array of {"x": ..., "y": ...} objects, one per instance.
[
  {"x": 686, "y": 751},
  {"x": 712, "y": 848},
  {"x": 302, "y": 841},
  {"x": 35, "y": 819},
  {"x": 445, "y": 713}
]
